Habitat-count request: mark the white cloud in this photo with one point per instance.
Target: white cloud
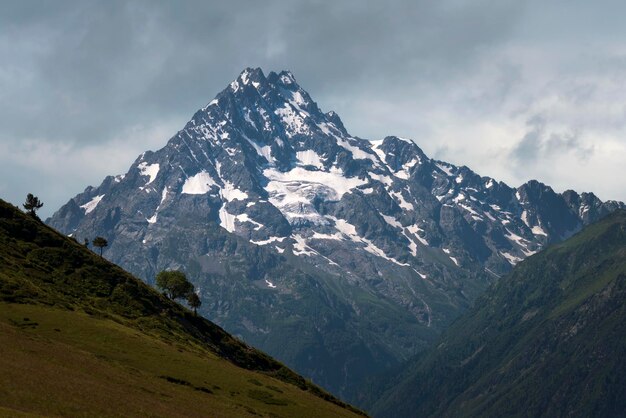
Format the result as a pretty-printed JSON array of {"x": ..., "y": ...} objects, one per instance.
[
  {"x": 519, "y": 114},
  {"x": 56, "y": 171}
]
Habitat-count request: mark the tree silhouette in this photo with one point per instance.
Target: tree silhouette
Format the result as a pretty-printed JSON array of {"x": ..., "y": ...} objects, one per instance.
[
  {"x": 194, "y": 301},
  {"x": 100, "y": 243},
  {"x": 32, "y": 205},
  {"x": 174, "y": 284},
  {"x": 86, "y": 242}
]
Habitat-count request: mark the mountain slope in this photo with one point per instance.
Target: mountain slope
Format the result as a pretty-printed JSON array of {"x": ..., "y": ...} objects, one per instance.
[
  {"x": 286, "y": 223},
  {"x": 80, "y": 336},
  {"x": 547, "y": 340}
]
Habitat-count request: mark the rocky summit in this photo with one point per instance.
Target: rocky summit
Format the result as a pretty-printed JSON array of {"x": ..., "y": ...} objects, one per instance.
[{"x": 340, "y": 256}]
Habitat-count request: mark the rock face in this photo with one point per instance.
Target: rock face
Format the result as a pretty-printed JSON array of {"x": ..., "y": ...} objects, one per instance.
[{"x": 339, "y": 256}]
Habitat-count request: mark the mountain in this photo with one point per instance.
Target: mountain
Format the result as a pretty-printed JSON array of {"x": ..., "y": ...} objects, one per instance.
[
  {"x": 339, "y": 256},
  {"x": 545, "y": 341},
  {"x": 82, "y": 337}
]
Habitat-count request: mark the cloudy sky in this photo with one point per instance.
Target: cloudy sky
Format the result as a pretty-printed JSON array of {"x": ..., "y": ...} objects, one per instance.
[{"x": 513, "y": 89}]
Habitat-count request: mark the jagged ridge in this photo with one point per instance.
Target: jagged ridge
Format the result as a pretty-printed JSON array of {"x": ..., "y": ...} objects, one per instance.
[{"x": 263, "y": 197}]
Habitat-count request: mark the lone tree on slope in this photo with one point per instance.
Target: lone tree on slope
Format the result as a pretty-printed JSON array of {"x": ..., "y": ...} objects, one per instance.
[
  {"x": 100, "y": 242},
  {"x": 32, "y": 205},
  {"x": 174, "y": 284},
  {"x": 194, "y": 301}
]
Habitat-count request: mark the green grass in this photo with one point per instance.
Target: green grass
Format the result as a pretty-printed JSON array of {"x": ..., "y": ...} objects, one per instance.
[
  {"x": 57, "y": 362},
  {"x": 81, "y": 337}
]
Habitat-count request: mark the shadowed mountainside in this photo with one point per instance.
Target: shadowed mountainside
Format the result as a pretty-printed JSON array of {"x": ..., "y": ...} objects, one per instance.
[
  {"x": 547, "y": 341},
  {"x": 80, "y": 336}
]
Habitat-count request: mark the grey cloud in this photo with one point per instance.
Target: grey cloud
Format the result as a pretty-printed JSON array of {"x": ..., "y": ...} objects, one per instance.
[
  {"x": 568, "y": 143},
  {"x": 100, "y": 66},
  {"x": 83, "y": 74},
  {"x": 540, "y": 144},
  {"x": 529, "y": 147}
]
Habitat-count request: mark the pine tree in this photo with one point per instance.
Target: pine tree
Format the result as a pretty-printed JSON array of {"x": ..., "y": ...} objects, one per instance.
[{"x": 32, "y": 205}]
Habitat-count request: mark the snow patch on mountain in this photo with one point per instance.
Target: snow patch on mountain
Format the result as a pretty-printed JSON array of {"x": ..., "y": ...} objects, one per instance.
[
  {"x": 415, "y": 230},
  {"x": 454, "y": 259},
  {"x": 404, "y": 172},
  {"x": 349, "y": 230},
  {"x": 523, "y": 243},
  {"x": 293, "y": 120},
  {"x": 200, "y": 183},
  {"x": 293, "y": 191},
  {"x": 373, "y": 249},
  {"x": 538, "y": 230},
  {"x": 300, "y": 246},
  {"x": 153, "y": 218},
  {"x": 384, "y": 179},
  {"x": 268, "y": 241},
  {"x": 229, "y": 192},
  {"x": 229, "y": 221},
  {"x": 337, "y": 236},
  {"x": 512, "y": 259},
  {"x": 264, "y": 151},
  {"x": 310, "y": 157},
  {"x": 524, "y": 218},
  {"x": 357, "y": 153},
  {"x": 392, "y": 221},
  {"x": 401, "y": 201},
  {"x": 297, "y": 98},
  {"x": 245, "y": 218},
  {"x": 446, "y": 168},
  {"x": 150, "y": 170},
  {"x": 376, "y": 148},
  {"x": 91, "y": 205}
]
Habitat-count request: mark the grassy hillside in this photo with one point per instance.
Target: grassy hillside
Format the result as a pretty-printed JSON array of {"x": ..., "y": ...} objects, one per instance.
[
  {"x": 547, "y": 340},
  {"x": 81, "y": 337}
]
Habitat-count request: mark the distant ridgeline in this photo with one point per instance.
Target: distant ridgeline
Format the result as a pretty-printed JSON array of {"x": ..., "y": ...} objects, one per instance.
[
  {"x": 548, "y": 340},
  {"x": 339, "y": 256},
  {"x": 79, "y": 336}
]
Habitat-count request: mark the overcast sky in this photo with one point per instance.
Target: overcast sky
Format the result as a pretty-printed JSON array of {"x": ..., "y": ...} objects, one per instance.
[{"x": 513, "y": 89}]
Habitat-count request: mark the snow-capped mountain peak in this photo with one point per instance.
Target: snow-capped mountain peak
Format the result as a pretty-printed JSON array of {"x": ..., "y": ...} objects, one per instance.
[
  {"x": 263, "y": 142},
  {"x": 262, "y": 170}
]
